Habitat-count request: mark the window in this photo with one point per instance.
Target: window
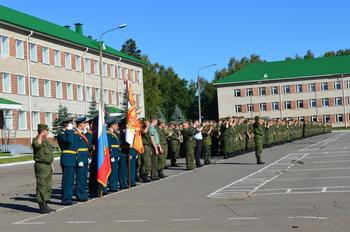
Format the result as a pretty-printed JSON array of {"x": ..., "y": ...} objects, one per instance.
[
  {"x": 89, "y": 94},
  {"x": 68, "y": 58},
  {"x": 312, "y": 103},
  {"x": 58, "y": 89},
  {"x": 19, "y": 49},
  {"x": 324, "y": 86},
  {"x": 314, "y": 118},
  {"x": 119, "y": 72},
  {"x": 8, "y": 119},
  {"x": 33, "y": 52},
  {"x": 48, "y": 119},
  {"x": 112, "y": 70},
  {"x": 87, "y": 65},
  {"x": 22, "y": 120},
  {"x": 121, "y": 99},
  {"x": 262, "y": 91},
  {"x": 237, "y": 92},
  {"x": 250, "y": 107},
  {"x": 325, "y": 102},
  {"x": 78, "y": 63},
  {"x": 326, "y": 118},
  {"x": 57, "y": 58},
  {"x": 348, "y": 100},
  {"x": 6, "y": 82},
  {"x": 274, "y": 105},
  {"x": 336, "y": 85},
  {"x": 96, "y": 68},
  {"x": 339, "y": 118},
  {"x": 337, "y": 101},
  {"x": 139, "y": 77},
  {"x": 274, "y": 90},
  {"x": 69, "y": 91},
  {"x": 348, "y": 84},
  {"x": 45, "y": 55},
  {"x": 106, "y": 96},
  {"x": 80, "y": 93},
  {"x": 4, "y": 45},
  {"x": 114, "y": 98},
  {"x": 104, "y": 69},
  {"x": 125, "y": 74},
  {"x": 262, "y": 106},
  {"x": 300, "y": 104},
  {"x": 301, "y": 118},
  {"x": 132, "y": 75},
  {"x": 47, "y": 88},
  {"x": 36, "y": 119},
  {"x": 97, "y": 94},
  {"x": 287, "y": 105},
  {"x": 238, "y": 108},
  {"x": 34, "y": 86},
  {"x": 286, "y": 89},
  {"x": 312, "y": 87},
  {"x": 299, "y": 88},
  {"x": 249, "y": 92},
  {"x": 21, "y": 85}
]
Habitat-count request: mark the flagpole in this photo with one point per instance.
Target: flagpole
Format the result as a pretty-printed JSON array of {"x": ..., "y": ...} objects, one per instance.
[{"x": 127, "y": 106}]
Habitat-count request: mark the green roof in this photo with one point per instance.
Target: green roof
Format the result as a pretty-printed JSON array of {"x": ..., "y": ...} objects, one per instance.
[
  {"x": 114, "y": 110},
  {"x": 39, "y": 25},
  {"x": 8, "y": 102},
  {"x": 291, "y": 69}
]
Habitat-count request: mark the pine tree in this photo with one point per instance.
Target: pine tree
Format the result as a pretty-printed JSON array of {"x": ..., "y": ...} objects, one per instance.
[
  {"x": 62, "y": 114},
  {"x": 177, "y": 115},
  {"x": 160, "y": 115},
  {"x": 93, "y": 111}
]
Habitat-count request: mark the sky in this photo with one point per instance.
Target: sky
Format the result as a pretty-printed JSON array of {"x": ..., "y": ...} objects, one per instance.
[{"x": 187, "y": 35}]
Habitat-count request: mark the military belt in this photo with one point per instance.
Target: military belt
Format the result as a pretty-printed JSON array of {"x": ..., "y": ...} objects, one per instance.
[
  {"x": 69, "y": 152},
  {"x": 115, "y": 146},
  {"x": 83, "y": 149}
]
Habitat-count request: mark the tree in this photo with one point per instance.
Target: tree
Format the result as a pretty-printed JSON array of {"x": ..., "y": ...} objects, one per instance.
[
  {"x": 129, "y": 47},
  {"x": 309, "y": 55},
  {"x": 61, "y": 115},
  {"x": 177, "y": 115},
  {"x": 93, "y": 111},
  {"x": 161, "y": 115},
  {"x": 329, "y": 54}
]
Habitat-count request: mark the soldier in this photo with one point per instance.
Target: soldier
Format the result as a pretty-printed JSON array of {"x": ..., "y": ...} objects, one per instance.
[
  {"x": 114, "y": 151},
  {"x": 189, "y": 143},
  {"x": 259, "y": 139},
  {"x": 157, "y": 149},
  {"x": 146, "y": 157},
  {"x": 207, "y": 142},
  {"x": 43, "y": 157},
  {"x": 92, "y": 138},
  {"x": 82, "y": 148},
  {"x": 174, "y": 143},
  {"x": 163, "y": 140},
  {"x": 66, "y": 142},
  {"x": 199, "y": 143},
  {"x": 226, "y": 142}
]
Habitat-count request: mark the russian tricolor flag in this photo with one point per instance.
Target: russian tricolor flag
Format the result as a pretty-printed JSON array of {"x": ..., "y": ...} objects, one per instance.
[{"x": 103, "y": 157}]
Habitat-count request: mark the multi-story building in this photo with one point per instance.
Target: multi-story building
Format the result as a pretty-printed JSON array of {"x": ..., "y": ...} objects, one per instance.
[
  {"x": 311, "y": 89},
  {"x": 43, "y": 65}
]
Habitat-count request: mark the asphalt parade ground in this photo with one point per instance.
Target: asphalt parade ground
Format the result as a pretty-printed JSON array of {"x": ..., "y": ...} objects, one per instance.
[{"x": 303, "y": 186}]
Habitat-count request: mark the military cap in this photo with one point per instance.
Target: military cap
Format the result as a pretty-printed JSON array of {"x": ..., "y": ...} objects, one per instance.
[
  {"x": 173, "y": 122},
  {"x": 161, "y": 120},
  {"x": 93, "y": 118},
  {"x": 67, "y": 119},
  {"x": 154, "y": 117},
  {"x": 257, "y": 118},
  {"x": 80, "y": 119},
  {"x": 112, "y": 120},
  {"x": 42, "y": 127}
]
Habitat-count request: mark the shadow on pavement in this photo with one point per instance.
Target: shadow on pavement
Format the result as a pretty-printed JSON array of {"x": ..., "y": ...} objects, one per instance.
[{"x": 19, "y": 207}]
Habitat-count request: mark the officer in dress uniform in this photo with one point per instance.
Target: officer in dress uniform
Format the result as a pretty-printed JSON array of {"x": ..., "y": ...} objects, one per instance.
[
  {"x": 114, "y": 151},
  {"x": 82, "y": 149},
  {"x": 66, "y": 142},
  {"x": 92, "y": 138},
  {"x": 123, "y": 162}
]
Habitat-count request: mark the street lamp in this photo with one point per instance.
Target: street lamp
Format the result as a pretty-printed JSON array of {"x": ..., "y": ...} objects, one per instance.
[
  {"x": 101, "y": 48},
  {"x": 199, "y": 90}
]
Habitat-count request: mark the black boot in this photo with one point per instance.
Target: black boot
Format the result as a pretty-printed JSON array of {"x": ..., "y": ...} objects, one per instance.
[
  {"x": 258, "y": 160},
  {"x": 42, "y": 208},
  {"x": 161, "y": 174},
  {"x": 48, "y": 208},
  {"x": 146, "y": 179}
]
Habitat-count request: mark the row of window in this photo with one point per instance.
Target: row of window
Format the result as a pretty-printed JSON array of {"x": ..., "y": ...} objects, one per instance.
[
  {"x": 108, "y": 70},
  {"x": 339, "y": 118},
  {"x": 23, "y": 121},
  {"x": 288, "y": 104},
  {"x": 58, "y": 87},
  {"x": 287, "y": 89}
]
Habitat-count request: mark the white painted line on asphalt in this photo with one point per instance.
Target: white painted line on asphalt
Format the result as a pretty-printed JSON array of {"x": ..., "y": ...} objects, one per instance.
[
  {"x": 132, "y": 221},
  {"x": 21, "y": 163},
  {"x": 31, "y": 223},
  {"x": 243, "y": 218},
  {"x": 80, "y": 222},
  {"x": 314, "y": 178},
  {"x": 325, "y": 156},
  {"x": 318, "y": 169},
  {"x": 289, "y": 190},
  {"x": 330, "y": 161},
  {"x": 308, "y": 217},
  {"x": 185, "y": 219},
  {"x": 324, "y": 189},
  {"x": 321, "y": 143}
]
